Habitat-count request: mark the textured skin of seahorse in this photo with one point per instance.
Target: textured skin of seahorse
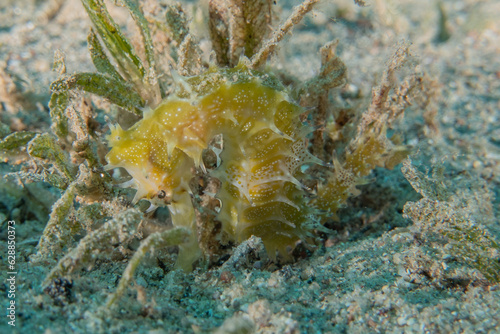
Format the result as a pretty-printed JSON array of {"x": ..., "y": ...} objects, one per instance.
[{"x": 263, "y": 150}]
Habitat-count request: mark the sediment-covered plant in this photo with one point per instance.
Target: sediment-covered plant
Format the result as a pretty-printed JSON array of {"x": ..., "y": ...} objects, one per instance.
[{"x": 454, "y": 213}]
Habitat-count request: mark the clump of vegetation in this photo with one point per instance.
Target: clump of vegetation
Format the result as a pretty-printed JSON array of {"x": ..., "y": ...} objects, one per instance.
[
  {"x": 454, "y": 214},
  {"x": 236, "y": 162}
]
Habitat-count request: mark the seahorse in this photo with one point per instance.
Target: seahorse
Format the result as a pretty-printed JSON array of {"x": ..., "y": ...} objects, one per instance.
[{"x": 259, "y": 165}]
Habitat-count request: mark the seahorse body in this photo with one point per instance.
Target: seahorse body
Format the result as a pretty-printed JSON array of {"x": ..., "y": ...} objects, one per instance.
[{"x": 259, "y": 165}]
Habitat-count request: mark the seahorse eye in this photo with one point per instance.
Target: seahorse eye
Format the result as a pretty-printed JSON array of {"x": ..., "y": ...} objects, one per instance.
[{"x": 161, "y": 194}]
